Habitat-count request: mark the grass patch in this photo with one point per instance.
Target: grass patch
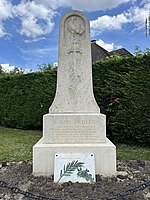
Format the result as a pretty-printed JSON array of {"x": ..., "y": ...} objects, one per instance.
[
  {"x": 16, "y": 145},
  {"x": 132, "y": 152}
]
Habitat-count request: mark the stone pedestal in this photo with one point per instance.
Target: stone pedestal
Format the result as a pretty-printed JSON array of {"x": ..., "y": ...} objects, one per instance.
[
  {"x": 74, "y": 123},
  {"x": 74, "y": 133},
  {"x": 44, "y": 154}
]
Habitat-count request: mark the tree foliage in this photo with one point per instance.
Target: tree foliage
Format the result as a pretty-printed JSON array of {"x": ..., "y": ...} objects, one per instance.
[
  {"x": 14, "y": 71},
  {"x": 45, "y": 68}
]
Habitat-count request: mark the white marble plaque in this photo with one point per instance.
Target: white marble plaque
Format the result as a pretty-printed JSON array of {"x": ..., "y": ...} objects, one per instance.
[{"x": 74, "y": 167}]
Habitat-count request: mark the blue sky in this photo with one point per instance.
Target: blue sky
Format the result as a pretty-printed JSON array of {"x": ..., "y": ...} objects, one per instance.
[{"x": 29, "y": 29}]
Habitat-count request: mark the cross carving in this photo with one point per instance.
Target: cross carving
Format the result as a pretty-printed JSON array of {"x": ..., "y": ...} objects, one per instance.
[{"x": 74, "y": 49}]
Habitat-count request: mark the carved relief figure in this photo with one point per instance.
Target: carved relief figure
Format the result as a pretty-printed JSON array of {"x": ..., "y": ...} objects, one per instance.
[
  {"x": 75, "y": 28},
  {"x": 75, "y": 25}
]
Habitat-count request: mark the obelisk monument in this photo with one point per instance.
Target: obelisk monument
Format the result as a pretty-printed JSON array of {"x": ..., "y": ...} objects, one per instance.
[{"x": 74, "y": 123}]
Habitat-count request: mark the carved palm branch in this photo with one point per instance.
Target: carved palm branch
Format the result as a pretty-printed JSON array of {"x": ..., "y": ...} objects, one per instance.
[{"x": 70, "y": 168}]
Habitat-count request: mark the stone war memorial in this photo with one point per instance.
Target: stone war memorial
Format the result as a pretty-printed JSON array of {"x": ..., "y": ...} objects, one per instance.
[{"x": 74, "y": 124}]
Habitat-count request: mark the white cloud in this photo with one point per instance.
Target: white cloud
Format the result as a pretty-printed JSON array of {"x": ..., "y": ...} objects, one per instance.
[
  {"x": 2, "y": 32},
  {"x": 135, "y": 15},
  {"x": 5, "y": 9},
  {"x": 55, "y": 64},
  {"x": 53, "y": 4},
  {"x": 107, "y": 46},
  {"x": 95, "y": 5},
  {"x": 5, "y": 13},
  {"x": 37, "y": 16},
  {"x": 43, "y": 51},
  {"x": 37, "y": 52},
  {"x": 7, "y": 67},
  {"x": 36, "y": 19},
  {"x": 34, "y": 40},
  {"x": 106, "y": 23}
]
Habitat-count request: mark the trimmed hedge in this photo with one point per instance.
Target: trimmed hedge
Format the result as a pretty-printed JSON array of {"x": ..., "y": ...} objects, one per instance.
[
  {"x": 26, "y": 98},
  {"x": 121, "y": 88}
]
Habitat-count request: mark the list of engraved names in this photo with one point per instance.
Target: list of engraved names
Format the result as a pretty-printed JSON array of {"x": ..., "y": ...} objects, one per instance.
[{"x": 74, "y": 131}]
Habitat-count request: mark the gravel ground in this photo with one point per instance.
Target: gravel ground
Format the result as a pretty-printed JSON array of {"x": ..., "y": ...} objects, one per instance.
[{"x": 130, "y": 174}]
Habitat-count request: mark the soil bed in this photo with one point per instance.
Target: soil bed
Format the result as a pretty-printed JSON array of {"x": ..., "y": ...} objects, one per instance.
[{"x": 130, "y": 174}]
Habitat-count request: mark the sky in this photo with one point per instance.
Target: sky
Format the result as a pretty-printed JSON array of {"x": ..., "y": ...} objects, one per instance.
[{"x": 29, "y": 29}]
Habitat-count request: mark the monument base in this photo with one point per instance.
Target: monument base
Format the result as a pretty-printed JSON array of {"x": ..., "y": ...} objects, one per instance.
[{"x": 44, "y": 156}]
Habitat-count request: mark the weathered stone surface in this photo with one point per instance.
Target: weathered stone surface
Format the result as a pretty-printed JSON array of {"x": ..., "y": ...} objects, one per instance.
[
  {"x": 74, "y": 116},
  {"x": 44, "y": 154},
  {"x": 74, "y": 128},
  {"x": 74, "y": 77},
  {"x": 74, "y": 123}
]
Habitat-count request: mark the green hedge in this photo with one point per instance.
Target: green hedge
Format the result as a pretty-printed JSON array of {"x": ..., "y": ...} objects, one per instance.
[
  {"x": 121, "y": 88},
  {"x": 25, "y": 98}
]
